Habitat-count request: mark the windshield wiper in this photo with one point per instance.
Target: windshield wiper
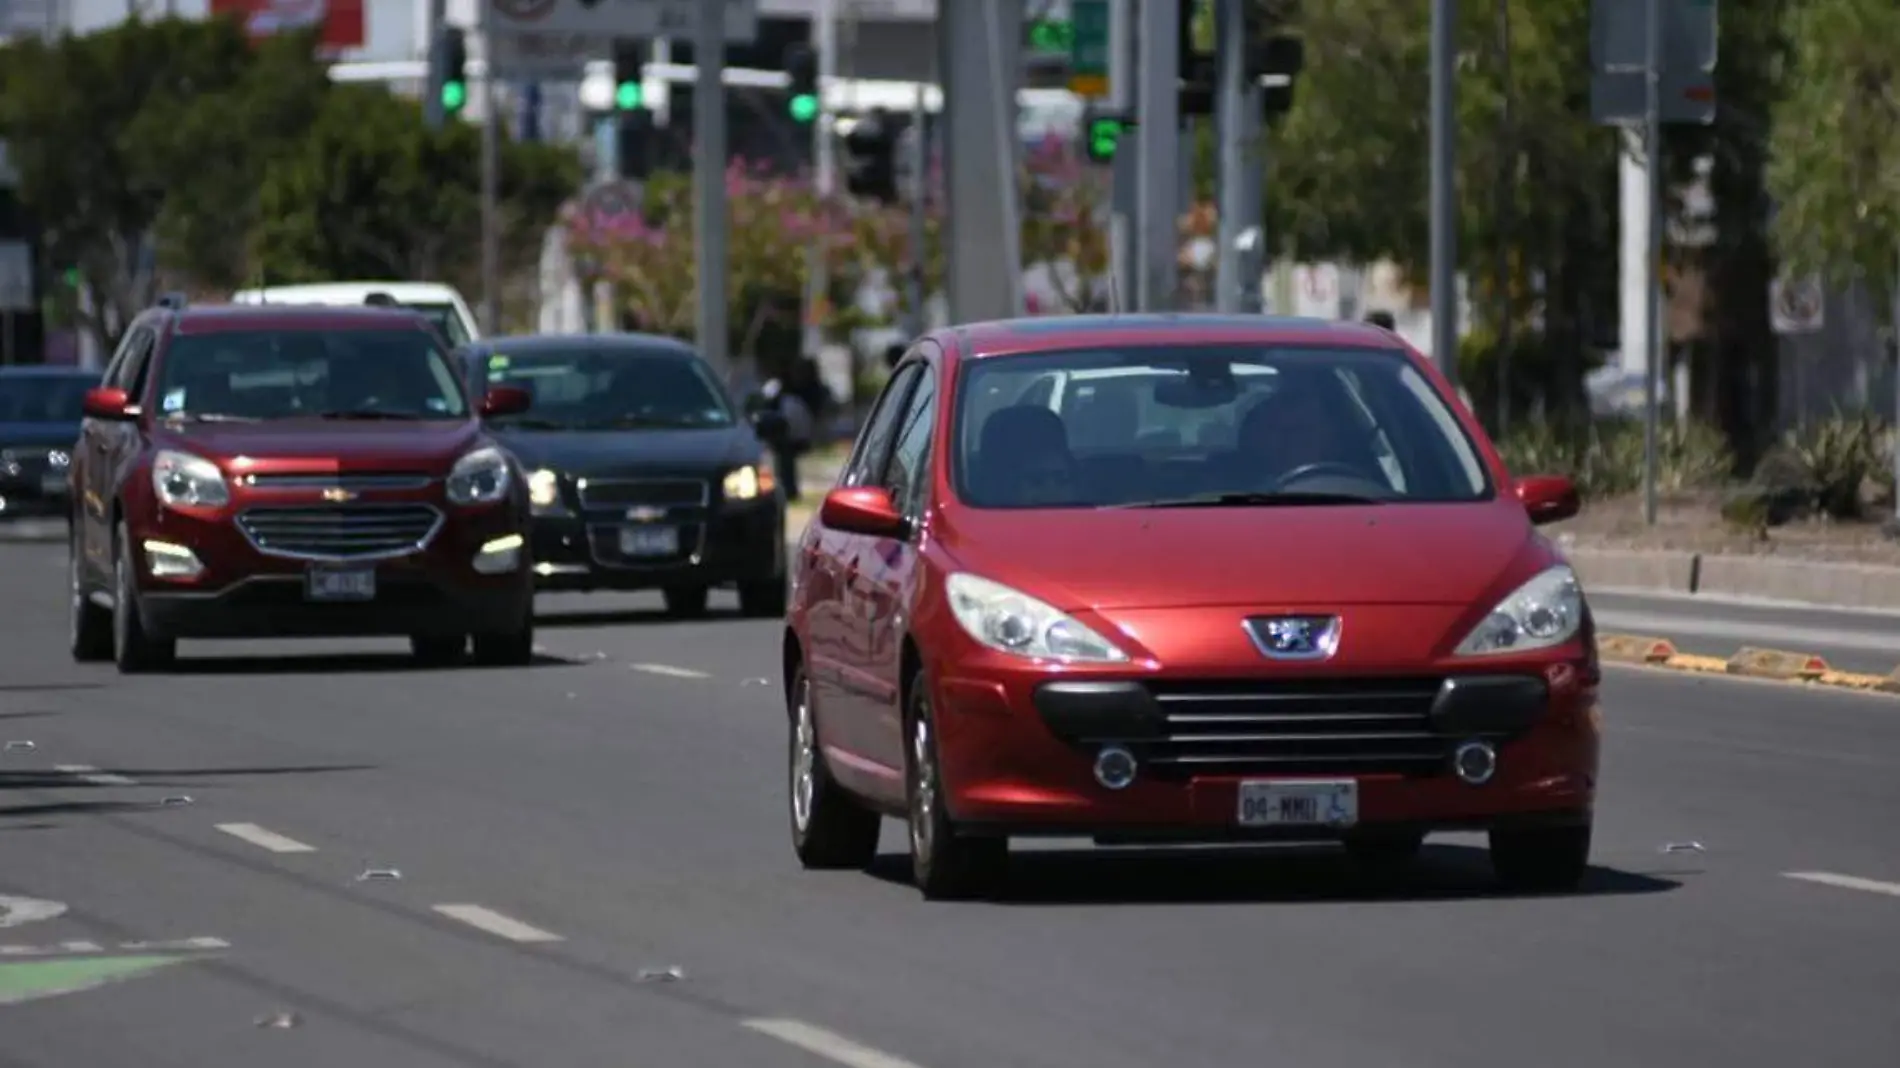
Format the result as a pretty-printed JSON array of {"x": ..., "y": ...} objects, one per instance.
[
  {"x": 1251, "y": 500},
  {"x": 367, "y": 413}
]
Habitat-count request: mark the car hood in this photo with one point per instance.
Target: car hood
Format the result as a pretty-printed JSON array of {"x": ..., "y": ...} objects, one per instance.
[
  {"x": 604, "y": 452},
  {"x": 36, "y": 435},
  {"x": 1331, "y": 556},
  {"x": 431, "y": 446}
]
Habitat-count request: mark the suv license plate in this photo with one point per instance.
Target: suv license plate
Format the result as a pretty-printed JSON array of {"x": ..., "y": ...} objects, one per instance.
[
  {"x": 53, "y": 485},
  {"x": 1299, "y": 803},
  {"x": 341, "y": 584},
  {"x": 649, "y": 541}
]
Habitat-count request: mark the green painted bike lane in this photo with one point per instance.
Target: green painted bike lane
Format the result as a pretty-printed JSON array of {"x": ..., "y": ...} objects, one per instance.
[{"x": 23, "y": 981}]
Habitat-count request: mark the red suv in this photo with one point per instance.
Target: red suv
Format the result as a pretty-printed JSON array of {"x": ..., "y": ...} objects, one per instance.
[
  {"x": 1185, "y": 578},
  {"x": 256, "y": 472}
]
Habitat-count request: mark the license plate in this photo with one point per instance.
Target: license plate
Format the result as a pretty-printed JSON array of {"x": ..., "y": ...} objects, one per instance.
[
  {"x": 1304, "y": 803},
  {"x": 53, "y": 485},
  {"x": 341, "y": 584},
  {"x": 649, "y": 541}
]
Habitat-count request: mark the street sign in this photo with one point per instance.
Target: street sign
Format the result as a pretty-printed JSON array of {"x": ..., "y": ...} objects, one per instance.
[
  {"x": 1688, "y": 97},
  {"x": 1088, "y": 48},
  {"x": 677, "y": 19},
  {"x": 1619, "y": 40}
]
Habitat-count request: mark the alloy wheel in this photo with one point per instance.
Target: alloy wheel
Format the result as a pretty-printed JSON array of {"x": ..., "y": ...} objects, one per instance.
[
  {"x": 923, "y": 805},
  {"x": 804, "y": 760}
]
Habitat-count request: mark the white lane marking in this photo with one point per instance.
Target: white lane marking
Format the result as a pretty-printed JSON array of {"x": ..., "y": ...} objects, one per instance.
[
  {"x": 72, "y": 948},
  {"x": 263, "y": 839},
  {"x": 670, "y": 671},
  {"x": 496, "y": 924},
  {"x": 19, "y": 911},
  {"x": 88, "y": 773},
  {"x": 827, "y": 1044},
  {"x": 1845, "y": 882}
]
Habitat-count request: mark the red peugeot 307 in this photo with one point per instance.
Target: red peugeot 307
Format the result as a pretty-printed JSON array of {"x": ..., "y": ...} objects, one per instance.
[{"x": 1149, "y": 579}]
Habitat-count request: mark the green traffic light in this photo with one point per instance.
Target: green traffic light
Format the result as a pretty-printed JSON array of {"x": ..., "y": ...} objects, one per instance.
[
  {"x": 454, "y": 95},
  {"x": 804, "y": 107},
  {"x": 1104, "y": 136},
  {"x": 627, "y": 96}
]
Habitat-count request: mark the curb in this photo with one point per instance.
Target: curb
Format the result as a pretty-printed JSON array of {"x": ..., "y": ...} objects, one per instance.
[
  {"x": 1778, "y": 664},
  {"x": 1735, "y": 575}
]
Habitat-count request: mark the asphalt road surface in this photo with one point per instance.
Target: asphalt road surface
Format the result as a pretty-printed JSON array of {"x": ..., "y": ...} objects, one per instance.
[
  {"x": 1849, "y": 639},
  {"x": 314, "y": 855}
]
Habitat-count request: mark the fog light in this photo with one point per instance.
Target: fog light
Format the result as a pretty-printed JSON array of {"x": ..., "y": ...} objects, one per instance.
[
  {"x": 1475, "y": 762},
  {"x": 169, "y": 561},
  {"x": 500, "y": 556},
  {"x": 1115, "y": 768}
]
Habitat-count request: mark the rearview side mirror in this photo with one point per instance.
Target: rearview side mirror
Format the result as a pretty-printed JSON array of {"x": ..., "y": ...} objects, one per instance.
[
  {"x": 107, "y": 402},
  {"x": 865, "y": 510},
  {"x": 506, "y": 400},
  {"x": 1548, "y": 498}
]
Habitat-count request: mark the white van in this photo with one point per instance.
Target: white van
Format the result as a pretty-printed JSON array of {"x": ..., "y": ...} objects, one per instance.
[{"x": 440, "y": 304}]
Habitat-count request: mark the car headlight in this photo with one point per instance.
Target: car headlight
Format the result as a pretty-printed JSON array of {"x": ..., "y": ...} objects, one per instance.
[
  {"x": 1544, "y": 612},
  {"x": 1011, "y": 621},
  {"x": 59, "y": 458},
  {"x": 544, "y": 490},
  {"x": 751, "y": 481},
  {"x": 481, "y": 477},
  {"x": 182, "y": 480}
]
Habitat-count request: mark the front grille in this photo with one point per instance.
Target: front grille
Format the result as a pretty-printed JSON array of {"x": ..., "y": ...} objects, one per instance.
[
  {"x": 1304, "y": 727},
  {"x": 340, "y": 532},
  {"x": 662, "y": 492},
  {"x": 354, "y": 482}
]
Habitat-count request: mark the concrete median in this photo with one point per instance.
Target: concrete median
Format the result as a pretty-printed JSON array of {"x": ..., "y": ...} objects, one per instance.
[{"x": 1780, "y": 665}]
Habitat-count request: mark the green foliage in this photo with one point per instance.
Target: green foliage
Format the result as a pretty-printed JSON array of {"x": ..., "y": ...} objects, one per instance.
[
  {"x": 1840, "y": 459},
  {"x": 1606, "y": 458},
  {"x": 1835, "y": 169}
]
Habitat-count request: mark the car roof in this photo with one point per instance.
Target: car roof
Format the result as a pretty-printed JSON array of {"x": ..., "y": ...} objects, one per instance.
[
  {"x": 1048, "y": 333},
  {"x": 46, "y": 370},
  {"x": 627, "y": 344},
  {"x": 348, "y": 293},
  {"x": 227, "y": 318}
]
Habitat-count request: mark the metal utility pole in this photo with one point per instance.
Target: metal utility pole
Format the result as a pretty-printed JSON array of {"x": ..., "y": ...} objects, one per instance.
[
  {"x": 824, "y": 151},
  {"x": 1158, "y": 134},
  {"x": 1653, "y": 332},
  {"x": 1238, "y": 108},
  {"x": 1444, "y": 209},
  {"x": 1507, "y": 178},
  {"x": 491, "y": 179},
  {"x": 709, "y": 181},
  {"x": 919, "y": 192}
]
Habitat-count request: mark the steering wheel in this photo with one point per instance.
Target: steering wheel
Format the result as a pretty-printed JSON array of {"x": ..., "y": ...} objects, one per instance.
[{"x": 1323, "y": 467}]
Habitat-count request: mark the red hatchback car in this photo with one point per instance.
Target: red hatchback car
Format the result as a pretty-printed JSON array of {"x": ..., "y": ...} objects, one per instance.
[
  {"x": 259, "y": 472},
  {"x": 1185, "y": 578}
]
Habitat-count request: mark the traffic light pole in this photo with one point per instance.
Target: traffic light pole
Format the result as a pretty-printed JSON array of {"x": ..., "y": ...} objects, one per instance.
[
  {"x": 824, "y": 173},
  {"x": 1158, "y": 133},
  {"x": 919, "y": 192},
  {"x": 713, "y": 332},
  {"x": 1239, "y": 116},
  {"x": 1444, "y": 176},
  {"x": 491, "y": 181}
]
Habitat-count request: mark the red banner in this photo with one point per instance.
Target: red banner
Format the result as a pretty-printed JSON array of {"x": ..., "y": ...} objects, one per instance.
[{"x": 342, "y": 20}]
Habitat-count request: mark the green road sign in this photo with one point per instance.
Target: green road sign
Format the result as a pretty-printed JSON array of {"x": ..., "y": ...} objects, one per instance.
[{"x": 1088, "y": 47}]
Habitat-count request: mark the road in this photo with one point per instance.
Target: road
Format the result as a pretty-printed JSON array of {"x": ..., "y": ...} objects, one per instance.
[
  {"x": 1850, "y": 640},
  {"x": 585, "y": 863}
]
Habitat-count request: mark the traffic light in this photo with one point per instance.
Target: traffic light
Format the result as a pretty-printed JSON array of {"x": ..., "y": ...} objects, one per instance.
[
  {"x": 629, "y": 75},
  {"x": 453, "y": 84},
  {"x": 1103, "y": 135},
  {"x": 801, "y": 66},
  {"x": 870, "y": 157}
]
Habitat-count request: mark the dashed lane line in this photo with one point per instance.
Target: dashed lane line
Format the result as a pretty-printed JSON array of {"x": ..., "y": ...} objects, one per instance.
[
  {"x": 88, "y": 773},
  {"x": 670, "y": 671},
  {"x": 486, "y": 919},
  {"x": 264, "y": 839},
  {"x": 1846, "y": 882},
  {"x": 74, "y": 949},
  {"x": 827, "y": 1044}
]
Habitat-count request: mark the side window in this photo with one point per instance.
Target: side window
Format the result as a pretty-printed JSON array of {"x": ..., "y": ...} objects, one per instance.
[
  {"x": 118, "y": 374},
  {"x": 908, "y": 478},
  {"x": 131, "y": 365},
  {"x": 874, "y": 445},
  {"x": 142, "y": 359}
]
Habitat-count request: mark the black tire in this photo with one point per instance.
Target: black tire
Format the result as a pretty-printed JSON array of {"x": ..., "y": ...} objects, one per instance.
[
  {"x": 436, "y": 650},
  {"x": 513, "y": 648},
  {"x": 1384, "y": 856},
  {"x": 945, "y": 864},
  {"x": 831, "y": 830},
  {"x": 135, "y": 651},
  {"x": 90, "y": 625},
  {"x": 1543, "y": 860},
  {"x": 764, "y": 600},
  {"x": 686, "y": 600}
]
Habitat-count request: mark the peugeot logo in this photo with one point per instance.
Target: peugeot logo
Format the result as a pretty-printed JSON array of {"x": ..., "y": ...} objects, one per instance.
[
  {"x": 338, "y": 495},
  {"x": 645, "y": 513},
  {"x": 1295, "y": 637}
]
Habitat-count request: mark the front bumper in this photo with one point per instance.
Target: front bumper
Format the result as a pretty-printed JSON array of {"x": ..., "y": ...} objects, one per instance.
[
  {"x": 727, "y": 543},
  {"x": 1018, "y": 747},
  {"x": 29, "y": 494}
]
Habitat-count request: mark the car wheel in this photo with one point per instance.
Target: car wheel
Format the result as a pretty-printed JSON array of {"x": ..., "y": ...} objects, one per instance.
[
  {"x": 434, "y": 650},
  {"x": 514, "y": 648},
  {"x": 133, "y": 649},
  {"x": 830, "y": 829},
  {"x": 1541, "y": 860},
  {"x": 90, "y": 625},
  {"x": 1384, "y": 855},
  {"x": 945, "y": 864},
  {"x": 763, "y": 599},
  {"x": 686, "y": 600}
]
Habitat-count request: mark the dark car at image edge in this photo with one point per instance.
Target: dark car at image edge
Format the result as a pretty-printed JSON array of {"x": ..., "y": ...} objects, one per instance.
[
  {"x": 229, "y": 486},
  {"x": 40, "y": 413}
]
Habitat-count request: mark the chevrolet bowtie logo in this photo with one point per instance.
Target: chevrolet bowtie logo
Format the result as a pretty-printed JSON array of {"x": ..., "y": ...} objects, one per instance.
[
  {"x": 645, "y": 513},
  {"x": 338, "y": 495}
]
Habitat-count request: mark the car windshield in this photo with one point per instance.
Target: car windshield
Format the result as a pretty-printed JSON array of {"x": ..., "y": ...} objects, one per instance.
[
  {"x": 43, "y": 399},
  {"x": 1208, "y": 426},
  {"x": 292, "y": 374},
  {"x": 445, "y": 318},
  {"x": 605, "y": 389}
]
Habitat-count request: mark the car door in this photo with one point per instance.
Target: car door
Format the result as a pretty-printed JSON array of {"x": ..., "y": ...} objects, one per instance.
[
  {"x": 887, "y": 569},
  {"x": 102, "y": 443},
  {"x": 842, "y": 688}
]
